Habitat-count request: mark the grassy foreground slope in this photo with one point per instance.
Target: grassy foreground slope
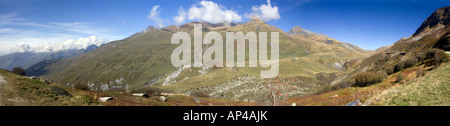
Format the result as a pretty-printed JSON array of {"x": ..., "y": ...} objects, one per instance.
[
  {"x": 18, "y": 90},
  {"x": 431, "y": 90}
]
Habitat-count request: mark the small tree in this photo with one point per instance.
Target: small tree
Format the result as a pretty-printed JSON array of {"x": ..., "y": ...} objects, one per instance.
[{"x": 19, "y": 71}]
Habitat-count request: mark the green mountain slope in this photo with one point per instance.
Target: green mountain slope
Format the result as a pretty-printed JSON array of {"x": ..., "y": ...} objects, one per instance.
[{"x": 143, "y": 59}]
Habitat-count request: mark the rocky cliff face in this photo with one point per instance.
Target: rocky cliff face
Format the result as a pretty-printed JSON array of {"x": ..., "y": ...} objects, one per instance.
[{"x": 438, "y": 19}]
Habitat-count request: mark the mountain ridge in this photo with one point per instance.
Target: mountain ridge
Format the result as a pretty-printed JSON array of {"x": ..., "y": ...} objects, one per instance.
[{"x": 143, "y": 59}]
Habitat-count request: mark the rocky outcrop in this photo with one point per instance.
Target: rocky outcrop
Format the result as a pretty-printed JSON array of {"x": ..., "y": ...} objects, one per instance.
[{"x": 439, "y": 17}]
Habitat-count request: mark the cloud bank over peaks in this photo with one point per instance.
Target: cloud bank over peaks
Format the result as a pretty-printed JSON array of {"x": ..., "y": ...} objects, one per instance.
[
  {"x": 81, "y": 43},
  {"x": 214, "y": 13},
  {"x": 265, "y": 12},
  {"x": 207, "y": 11}
]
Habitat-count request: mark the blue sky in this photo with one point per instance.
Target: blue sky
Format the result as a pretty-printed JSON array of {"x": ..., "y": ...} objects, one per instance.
[{"x": 368, "y": 24}]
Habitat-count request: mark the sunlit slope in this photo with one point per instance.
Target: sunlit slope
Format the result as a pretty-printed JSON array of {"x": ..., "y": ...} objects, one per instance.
[{"x": 143, "y": 59}]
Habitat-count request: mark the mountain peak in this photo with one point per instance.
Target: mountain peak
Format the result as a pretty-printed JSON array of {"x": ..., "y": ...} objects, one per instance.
[
  {"x": 296, "y": 30},
  {"x": 439, "y": 18},
  {"x": 256, "y": 20}
]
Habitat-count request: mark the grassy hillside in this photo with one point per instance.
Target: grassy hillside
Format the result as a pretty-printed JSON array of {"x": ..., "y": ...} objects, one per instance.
[
  {"x": 143, "y": 60},
  {"x": 18, "y": 90},
  {"x": 404, "y": 63},
  {"x": 432, "y": 89},
  {"x": 21, "y": 91}
]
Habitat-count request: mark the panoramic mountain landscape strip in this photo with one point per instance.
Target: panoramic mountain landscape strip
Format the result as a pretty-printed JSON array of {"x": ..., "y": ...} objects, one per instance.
[{"x": 226, "y": 53}]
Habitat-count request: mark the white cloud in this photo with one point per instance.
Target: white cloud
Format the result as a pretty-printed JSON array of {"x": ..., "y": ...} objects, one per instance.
[
  {"x": 181, "y": 16},
  {"x": 80, "y": 43},
  {"x": 22, "y": 47},
  {"x": 15, "y": 30},
  {"x": 211, "y": 12},
  {"x": 265, "y": 12},
  {"x": 154, "y": 15},
  {"x": 7, "y": 30}
]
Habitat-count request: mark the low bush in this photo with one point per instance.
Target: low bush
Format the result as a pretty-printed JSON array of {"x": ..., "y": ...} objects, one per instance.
[
  {"x": 399, "y": 78},
  {"x": 81, "y": 86},
  {"x": 389, "y": 70},
  {"x": 368, "y": 78},
  {"x": 399, "y": 67},
  {"x": 18, "y": 71},
  {"x": 420, "y": 72},
  {"x": 410, "y": 62},
  {"x": 344, "y": 84},
  {"x": 438, "y": 56}
]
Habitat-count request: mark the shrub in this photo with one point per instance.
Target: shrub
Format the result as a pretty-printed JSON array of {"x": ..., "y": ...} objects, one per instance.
[
  {"x": 389, "y": 70},
  {"x": 438, "y": 56},
  {"x": 367, "y": 78},
  {"x": 382, "y": 74},
  {"x": 149, "y": 90},
  {"x": 398, "y": 67},
  {"x": 410, "y": 62},
  {"x": 18, "y": 71},
  {"x": 344, "y": 84},
  {"x": 399, "y": 78},
  {"x": 420, "y": 72},
  {"x": 429, "y": 54},
  {"x": 421, "y": 56},
  {"x": 81, "y": 86},
  {"x": 325, "y": 89}
]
